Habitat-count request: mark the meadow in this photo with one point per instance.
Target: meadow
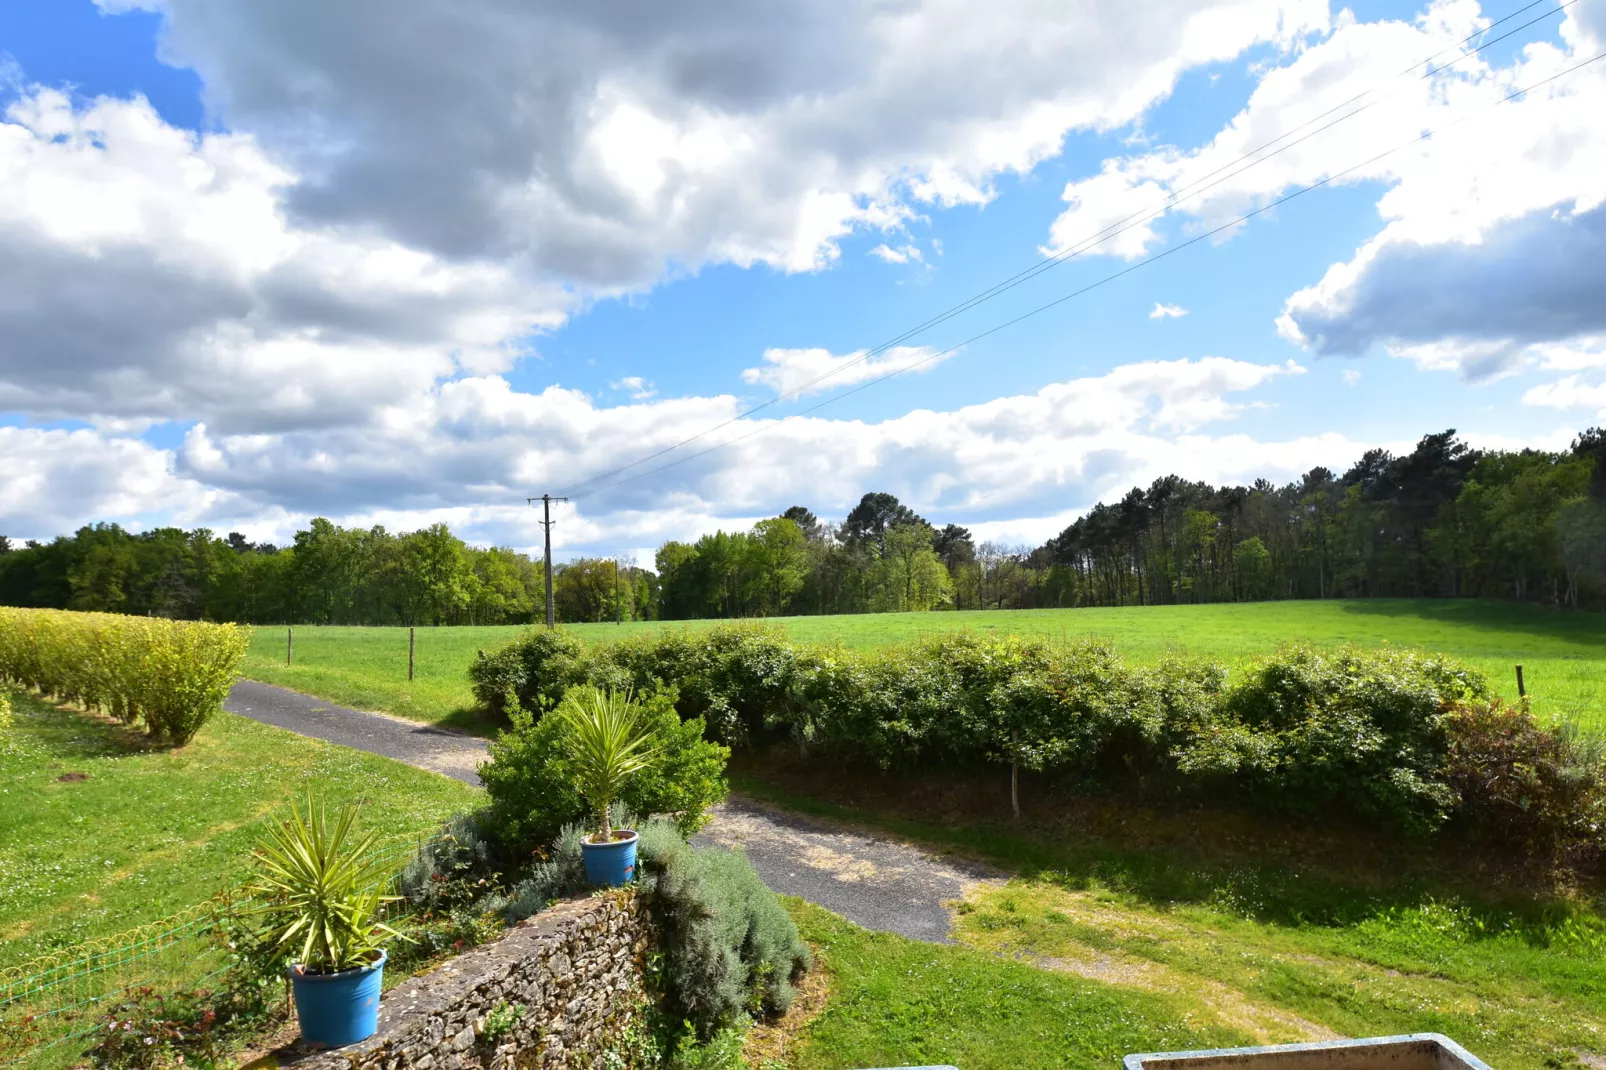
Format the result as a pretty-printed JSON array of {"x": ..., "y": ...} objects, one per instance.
[
  {"x": 101, "y": 832},
  {"x": 1563, "y": 654}
]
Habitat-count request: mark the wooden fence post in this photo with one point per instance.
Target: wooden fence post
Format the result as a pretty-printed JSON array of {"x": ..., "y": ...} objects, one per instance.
[
  {"x": 289, "y": 647},
  {"x": 1522, "y": 692},
  {"x": 409, "y": 654}
]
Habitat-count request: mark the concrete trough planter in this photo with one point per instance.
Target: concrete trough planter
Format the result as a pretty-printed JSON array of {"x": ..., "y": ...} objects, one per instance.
[{"x": 1413, "y": 1051}]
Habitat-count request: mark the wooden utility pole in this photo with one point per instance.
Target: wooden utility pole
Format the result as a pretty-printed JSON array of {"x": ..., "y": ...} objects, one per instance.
[
  {"x": 618, "y": 596},
  {"x": 546, "y": 501}
]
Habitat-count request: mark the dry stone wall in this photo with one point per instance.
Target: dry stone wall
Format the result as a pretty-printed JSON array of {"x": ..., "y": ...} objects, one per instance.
[{"x": 575, "y": 969}]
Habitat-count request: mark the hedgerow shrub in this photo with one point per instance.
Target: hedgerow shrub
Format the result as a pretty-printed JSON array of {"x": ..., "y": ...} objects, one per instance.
[
  {"x": 1370, "y": 733},
  {"x": 1365, "y": 730},
  {"x": 536, "y": 668},
  {"x": 169, "y": 675},
  {"x": 532, "y": 792},
  {"x": 5, "y": 710},
  {"x": 1521, "y": 784}
]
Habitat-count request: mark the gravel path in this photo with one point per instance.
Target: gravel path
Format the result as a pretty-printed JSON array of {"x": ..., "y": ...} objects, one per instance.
[{"x": 872, "y": 880}]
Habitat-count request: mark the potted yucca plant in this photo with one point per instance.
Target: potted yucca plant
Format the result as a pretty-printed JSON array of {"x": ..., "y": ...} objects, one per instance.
[
  {"x": 607, "y": 741},
  {"x": 320, "y": 889}
]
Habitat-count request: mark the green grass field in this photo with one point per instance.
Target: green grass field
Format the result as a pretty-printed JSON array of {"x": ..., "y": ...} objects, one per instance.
[
  {"x": 144, "y": 833},
  {"x": 1147, "y": 932},
  {"x": 1563, "y": 654}
]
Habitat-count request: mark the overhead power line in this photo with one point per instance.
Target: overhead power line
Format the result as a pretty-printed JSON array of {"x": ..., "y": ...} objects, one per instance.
[
  {"x": 1184, "y": 193},
  {"x": 1204, "y": 236}
]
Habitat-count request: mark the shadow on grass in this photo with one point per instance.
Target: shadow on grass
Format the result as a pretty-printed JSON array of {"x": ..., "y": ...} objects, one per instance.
[
  {"x": 1280, "y": 872},
  {"x": 1503, "y": 618},
  {"x": 66, "y": 732},
  {"x": 473, "y": 721}
]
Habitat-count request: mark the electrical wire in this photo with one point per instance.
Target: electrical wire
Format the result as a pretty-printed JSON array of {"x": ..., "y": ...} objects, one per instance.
[
  {"x": 761, "y": 428},
  {"x": 1178, "y": 196}
]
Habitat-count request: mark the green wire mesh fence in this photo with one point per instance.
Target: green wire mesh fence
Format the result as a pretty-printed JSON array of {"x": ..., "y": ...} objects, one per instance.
[{"x": 52, "y": 1004}]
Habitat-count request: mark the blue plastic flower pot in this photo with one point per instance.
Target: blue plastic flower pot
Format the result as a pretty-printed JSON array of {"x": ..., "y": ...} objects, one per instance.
[
  {"x": 336, "y": 1009},
  {"x": 611, "y": 864}
]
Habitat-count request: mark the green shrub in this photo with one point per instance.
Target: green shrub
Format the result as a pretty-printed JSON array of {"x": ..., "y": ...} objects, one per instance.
[
  {"x": 1303, "y": 731},
  {"x": 530, "y": 783},
  {"x": 171, "y": 675},
  {"x": 1361, "y": 729},
  {"x": 1522, "y": 784},
  {"x": 537, "y": 668},
  {"x": 729, "y": 948},
  {"x": 5, "y": 710}
]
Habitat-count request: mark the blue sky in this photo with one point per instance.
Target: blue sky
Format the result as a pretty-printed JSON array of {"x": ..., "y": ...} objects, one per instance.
[{"x": 391, "y": 274}]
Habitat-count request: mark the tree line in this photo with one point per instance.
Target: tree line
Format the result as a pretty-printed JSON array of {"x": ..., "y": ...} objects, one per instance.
[{"x": 1444, "y": 520}]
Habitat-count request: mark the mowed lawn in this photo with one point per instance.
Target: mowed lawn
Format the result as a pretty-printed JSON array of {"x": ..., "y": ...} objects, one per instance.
[
  {"x": 1563, "y": 654},
  {"x": 99, "y": 833}
]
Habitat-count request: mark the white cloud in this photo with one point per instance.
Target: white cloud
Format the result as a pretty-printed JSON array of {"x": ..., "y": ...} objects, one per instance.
[
  {"x": 1160, "y": 311},
  {"x": 596, "y": 143},
  {"x": 901, "y": 255},
  {"x": 52, "y": 481},
  {"x": 470, "y": 452},
  {"x": 1494, "y": 230},
  {"x": 147, "y": 273},
  {"x": 638, "y": 388},
  {"x": 814, "y": 371},
  {"x": 1570, "y": 392},
  {"x": 1351, "y": 376}
]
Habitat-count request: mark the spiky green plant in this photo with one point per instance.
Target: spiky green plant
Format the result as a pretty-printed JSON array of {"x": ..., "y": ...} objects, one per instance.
[
  {"x": 608, "y": 741},
  {"x": 320, "y": 887}
]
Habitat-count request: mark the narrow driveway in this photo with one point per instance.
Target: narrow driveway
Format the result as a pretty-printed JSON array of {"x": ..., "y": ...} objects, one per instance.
[{"x": 872, "y": 880}]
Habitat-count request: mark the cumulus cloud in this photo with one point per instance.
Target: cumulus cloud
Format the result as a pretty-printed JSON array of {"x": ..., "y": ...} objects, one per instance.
[
  {"x": 597, "y": 142},
  {"x": 54, "y": 480},
  {"x": 901, "y": 255},
  {"x": 813, "y": 371},
  {"x": 638, "y": 388},
  {"x": 472, "y": 451},
  {"x": 1161, "y": 311},
  {"x": 1494, "y": 227},
  {"x": 149, "y": 273}
]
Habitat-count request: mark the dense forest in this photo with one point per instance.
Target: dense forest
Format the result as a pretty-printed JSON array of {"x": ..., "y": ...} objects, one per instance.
[{"x": 1444, "y": 520}]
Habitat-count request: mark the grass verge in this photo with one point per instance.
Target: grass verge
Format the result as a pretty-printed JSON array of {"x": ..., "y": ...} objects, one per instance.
[
  {"x": 1270, "y": 938},
  {"x": 99, "y": 832},
  {"x": 897, "y": 1002}
]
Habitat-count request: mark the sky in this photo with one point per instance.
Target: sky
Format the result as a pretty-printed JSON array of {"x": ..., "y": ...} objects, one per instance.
[{"x": 689, "y": 265}]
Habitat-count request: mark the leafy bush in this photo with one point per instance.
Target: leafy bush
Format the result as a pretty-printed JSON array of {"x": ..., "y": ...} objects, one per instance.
[
  {"x": 531, "y": 784},
  {"x": 454, "y": 869},
  {"x": 1522, "y": 784},
  {"x": 5, "y": 710},
  {"x": 1303, "y": 731},
  {"x": 1362, "y": 729},
  {"x": 171, "y": 675},
  {"x": 536, "y": 669},
  {"x": 729, "y": 948}
]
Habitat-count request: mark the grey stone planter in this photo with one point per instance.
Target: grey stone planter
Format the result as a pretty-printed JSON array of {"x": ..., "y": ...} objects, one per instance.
[{"x": 1413, "y": 1051}]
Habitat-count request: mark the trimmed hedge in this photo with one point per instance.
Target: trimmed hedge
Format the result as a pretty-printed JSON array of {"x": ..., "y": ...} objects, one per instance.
[
  {"x": 1380, "y": 734},
  {"x": 168, "y": 675}
]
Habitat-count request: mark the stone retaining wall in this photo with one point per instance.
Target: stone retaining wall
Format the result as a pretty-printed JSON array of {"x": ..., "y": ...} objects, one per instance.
[{"x": 576, "y": 969}]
